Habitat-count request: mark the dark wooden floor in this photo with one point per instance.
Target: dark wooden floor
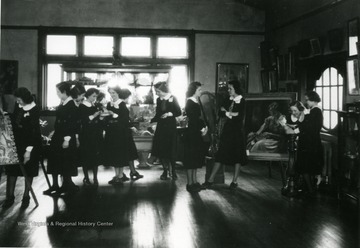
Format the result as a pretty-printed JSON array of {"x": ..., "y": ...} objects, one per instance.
[{"x": 154, "y": 213}]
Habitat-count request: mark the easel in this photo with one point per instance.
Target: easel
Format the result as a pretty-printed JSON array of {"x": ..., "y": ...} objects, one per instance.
[
  {"x": 44, "y": 170},
  {"x": 29, "y": 185},
  {"x": 27, "y": 182}
]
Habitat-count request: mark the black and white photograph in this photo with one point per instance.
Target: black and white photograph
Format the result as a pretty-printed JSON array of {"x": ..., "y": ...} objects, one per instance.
[{"x": 180, "y": 124}]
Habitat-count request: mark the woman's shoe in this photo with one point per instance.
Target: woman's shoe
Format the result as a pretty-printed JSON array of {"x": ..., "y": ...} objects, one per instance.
[
  {"x": 9, "y": 201},
  {"x": 192, "y": 188},
  {"x": 135, "y": 175},
  {"x": 112, "y": 181},
  {"x": 51, "y": 190},
  {"x": 199, "y": 186},
  {"x": 25, "y": 202},
  {"x": 96, "y": 182},
  {"x": 233, "y": 185},
  {"x": 118, "y": 181},
  {"x": 188, "y": 187},
  {"x": 174, "y": 175},
  {"x": 124, "y": 178},
  {"x": 207, "y": 184},
  {"x": 164, "y": 175},
  {"x": 87, "y": 182}
]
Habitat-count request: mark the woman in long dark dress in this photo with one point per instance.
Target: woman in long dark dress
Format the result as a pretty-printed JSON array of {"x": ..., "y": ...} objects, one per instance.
[
  {"x": 77, "y": 93},
  {"x": 310, "y": 151},
  {"x": 167, "y": 109},
  {"x": 62, "y": 154},
  {"x": 119, "y": 145},
  {"x": 90, "y": 136},
  {"x": 232, "y": 146},
  {"x": 26, "y": 128},
  {"x": 194, "y": 146}
]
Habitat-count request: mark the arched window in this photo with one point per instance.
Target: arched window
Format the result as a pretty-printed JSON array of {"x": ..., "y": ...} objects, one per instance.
[{"x": 330, "y": 88}]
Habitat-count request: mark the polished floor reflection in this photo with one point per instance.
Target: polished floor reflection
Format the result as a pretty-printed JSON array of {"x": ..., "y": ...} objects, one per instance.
[{"x": 154, "y": 213}]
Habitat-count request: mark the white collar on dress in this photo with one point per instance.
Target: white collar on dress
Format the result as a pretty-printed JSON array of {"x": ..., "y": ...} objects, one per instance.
[
  {"x": 194, "y": 99},
  {"x": 87, "y": 103},
  {"x": 293, "y": 118},
  {"x": 315, "y": 107},
  {"x": 67, "y": 100},
  {"x": 167, "y": 97},
  {"x": 236, "y": 99},
  {"x": 27, "y": 107},
  {"x": 117, "y": 103}
]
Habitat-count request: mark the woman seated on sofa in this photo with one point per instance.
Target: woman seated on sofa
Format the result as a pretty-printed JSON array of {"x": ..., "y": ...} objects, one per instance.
[{"x": 271, "y": 135}]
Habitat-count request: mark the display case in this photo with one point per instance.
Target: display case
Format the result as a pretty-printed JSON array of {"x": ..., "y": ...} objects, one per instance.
[{"x": 348, "y": 150}]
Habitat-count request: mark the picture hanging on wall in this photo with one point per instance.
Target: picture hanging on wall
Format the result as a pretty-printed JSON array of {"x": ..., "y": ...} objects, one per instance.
[
  {"x": 8, "y": 83},
  {"x": 226, "y": 72},
  {"x": 353, "y": 36},
  {"x": 353, "y": 77},
  {"x": 231, "y": 71},
  {"x": 8, "y": 76}
]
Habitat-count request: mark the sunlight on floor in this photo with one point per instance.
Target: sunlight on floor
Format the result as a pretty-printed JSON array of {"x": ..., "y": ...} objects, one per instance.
[
  {"x": 326, "y": 237},
  {"x": 179, "y": 228},
  {"x": 143, "y": 225}
]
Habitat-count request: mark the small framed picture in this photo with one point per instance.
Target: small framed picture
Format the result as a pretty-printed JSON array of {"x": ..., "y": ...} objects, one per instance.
[{"x": 353, "y": 36}]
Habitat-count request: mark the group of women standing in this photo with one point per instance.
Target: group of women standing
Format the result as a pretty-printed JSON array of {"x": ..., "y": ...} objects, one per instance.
[
  {"x": 79, "y": 138},
  {"x": 87, "y": 133}
]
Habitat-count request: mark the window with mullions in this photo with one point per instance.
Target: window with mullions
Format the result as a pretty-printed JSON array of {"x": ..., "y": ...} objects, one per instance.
[
  {"x": 172, "y": 47},
  {"x": 98, "y": 49},
  {"x": 330, "y": 89},
  {"x": 61, "y": 45},
  {"x": 135, "y": 46},
  {"x": 98, "y": 45}
]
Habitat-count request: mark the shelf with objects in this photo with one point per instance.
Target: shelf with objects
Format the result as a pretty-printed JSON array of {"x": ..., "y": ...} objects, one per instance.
[{"x": 349, "y": 160}]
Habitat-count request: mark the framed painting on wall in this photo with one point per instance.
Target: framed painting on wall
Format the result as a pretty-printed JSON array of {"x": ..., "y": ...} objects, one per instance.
[
  {"x": 8, "y": 76},
  {"x": 353, "y": 35},
  {"x": 8, "y": 83},
  {"x": 230, "y": 71},
  {"x": 353, "y": 77}
]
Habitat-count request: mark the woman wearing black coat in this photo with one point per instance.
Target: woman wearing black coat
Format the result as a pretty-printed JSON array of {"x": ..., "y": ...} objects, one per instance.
[
  {"x": 90, "y": 136},
  {"x": 77, "y": 93},
  {"x": 310, "y": 151},
  {"x": 167, "y": 109},
  {"x": 194, "y": 146},
  {"x": 119, "y": 145},
  {"x": 63, "y": 153},
  {"x": 26, "y": 128},
  {"x": 232, "y": 146}
]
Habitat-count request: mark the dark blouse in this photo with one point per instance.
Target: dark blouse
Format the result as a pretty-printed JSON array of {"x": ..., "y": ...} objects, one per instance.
[
  {"x": 309, "y": 136},
  {"x": 66, "y": 123},
  {"x": 194, "y": 146},
  {"x": 26, "y": 127},
  {"x": 193, "y": 112},
  {"x": 165, "y": 106},
  {"x": 119, "y": 146},
  {"x": 232, "y": 147},
  {"x": 310, "y": 158},
  {"x": 64, "y": 161},
  {"x": 165, "y": 133}
]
